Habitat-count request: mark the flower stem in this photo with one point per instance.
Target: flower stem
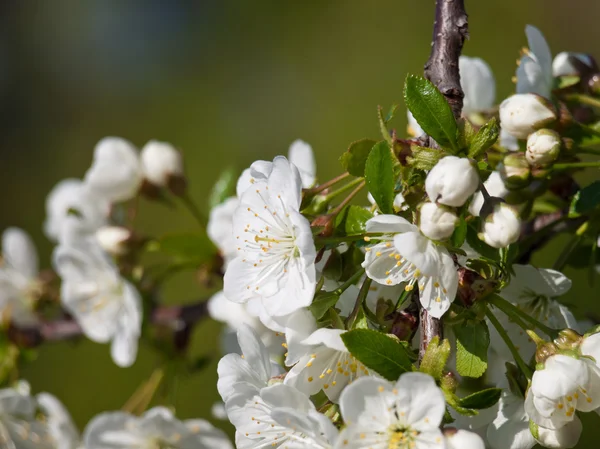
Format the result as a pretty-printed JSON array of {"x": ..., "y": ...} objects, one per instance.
[
  {"x": 193, "y": 209},
  {"x": 588, "y": 150},
  {"x": 513, "y": 350},
  {"x": 362, "y": 294},
  {"x": 140, "y": 399},
  {"x": 351, "y": 281},
  {"x": 566, "y": 166},
  {"x": 585, "y": 99},
  {"x": 343, "y": 189},
  {"x": 326, "y": 185},
  {"x": 519, "y": 316}
]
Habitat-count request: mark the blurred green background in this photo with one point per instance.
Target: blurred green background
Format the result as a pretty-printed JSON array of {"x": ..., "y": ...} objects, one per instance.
[{"x": 227, "y": 82}]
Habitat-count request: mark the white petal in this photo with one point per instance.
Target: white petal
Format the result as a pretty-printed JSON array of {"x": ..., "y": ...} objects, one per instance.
[
  {"x": 478, "y": 83},
  {"x": 353, "y": 400},
  {"x": 421, "y": 399},
  {"x": 463, "y": 439},
  {"x": 327, "y": 337},
  {"x": 389, "y": 224},
  {"x": 18, "y": 251},
  {"x": 60, "y": 424},
  {"x": 302, "y": 156},
  {"x": 254, "y": 352},
  {"x": 565, "y": 437}
]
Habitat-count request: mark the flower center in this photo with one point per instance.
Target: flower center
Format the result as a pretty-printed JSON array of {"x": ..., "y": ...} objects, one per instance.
[
  {"x": 401, "y": 437},
  {"x": 568, "y": 403}
]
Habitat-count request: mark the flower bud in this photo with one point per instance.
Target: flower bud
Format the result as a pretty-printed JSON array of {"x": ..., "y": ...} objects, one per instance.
[
  {"x": 114, "y": 239},
  {"x": 515, "y": 171},
  {"x": 436, "y": 221},
  {"x": 522, "y": 114},
  {"x": 543, "y": 147},
  {"x": 161, "y": 162},
  {"x": 452, "y": 181},
  {"x": 502, "y": 227},
  {"x": 494, "y": 186},
  {"x": 568, "y": 63},
  {"x": 568, "y": 339}
]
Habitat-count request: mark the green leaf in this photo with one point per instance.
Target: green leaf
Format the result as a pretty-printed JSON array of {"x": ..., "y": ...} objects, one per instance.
[
  {"x": 435, "y": 358},
  {"x": 482, "y": 399},
  {"x": 322, "y": 303},
  {"x": 385, "y": 133},
  {"x": 431, "y": 111},
  {"x": 472, "y": 341},
  {"x": 392, "y": 112},
  {"x": 352, "y": 220},
  {"x": 453, "y": 401},
  {"x": 355, "y": 158},
  {"x": 485, "y": 138},
  {"x": 186, "y": 247},
  {"x": 586, "y": 199},
  {"x": 378, "y": 352},
  {"x": 379, "y": 173},
  {"x": 223, "y": 188},
  {"x": 424, "y": 158},
  {"x": 460, "y": 234}
]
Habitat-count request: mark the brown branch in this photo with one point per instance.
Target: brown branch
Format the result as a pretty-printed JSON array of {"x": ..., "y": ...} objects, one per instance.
[
  {"x": 450, "y": 30},
  {"x": 179, "y": 318}
]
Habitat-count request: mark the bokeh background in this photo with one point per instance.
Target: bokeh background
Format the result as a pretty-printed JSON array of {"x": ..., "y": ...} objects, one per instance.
[{"x": 227, "y": 82}]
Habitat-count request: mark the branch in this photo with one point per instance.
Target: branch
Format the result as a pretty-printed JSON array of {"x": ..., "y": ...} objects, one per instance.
[
  {"x": 180, "y": 318},
  {"x": 450, "y": 30}
]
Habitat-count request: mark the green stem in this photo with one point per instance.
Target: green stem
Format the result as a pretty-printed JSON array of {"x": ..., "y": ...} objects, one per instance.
[
  {"x": 566, "y": 166},
  {"x": 520, "y": 317},
  {"x": 193, "y": 209},
  {"x": 362, "y": 294},
  {"x": 511, "y": 347},
  {"x": 355, "y": 277},
  {"x": 326, "y": 185},
  {"x": 343, "y": 204},
  {"x": 585, "y": 99},
  {"x": 588, "y": 150},
  {"x": 343, "y": 189},
  {"x": 563, "y": 258}
]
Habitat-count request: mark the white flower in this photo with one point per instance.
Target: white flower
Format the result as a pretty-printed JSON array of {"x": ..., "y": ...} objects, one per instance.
[
  {"x": 18, "y": 277},
  {"x": 562, "y": 65},
  {"x": 510, "y": 429},
  {"x": 275, "y": 264},
  {"x": 220, "y": 228},
  {"x": 116, "y": 171},
  {"x": 502, "y": 227},
  {"x": 60, "y": 424},
  {"x": 157, "y": 428},
  {"x": 160, "y": 162},
  {"x": 534, "y": 74},
  {"x": 463, "y": 439},
  {"x": 452, "y": 181},
  {"x": 246, "y": 373},
  {"x": 302, "y": 156},
  {"x": 380, "y": 414},
  {"x": 437, "y": 222},
  {"x": 522, "y": 114},
  {"x": 535, "y": 292},
  {"x": 19, "y": 427},
  {"x": 327, "y": 365},
  {"x": 414, "y": 129},
  {"x": 113, "y": 239},
  {"x": 590, "y": 347},
  {"x": 73, "y": 196},
  {"x": 261, "y": 420},
  {"x": 494, "y": 186},
  {"x": 405, "y": 255},
  {"x": 478, "y": 84},
  {"x": 543, "y": 147},
  {"x": 564, "y": 384},
  {"x": 107, "y": 307}
]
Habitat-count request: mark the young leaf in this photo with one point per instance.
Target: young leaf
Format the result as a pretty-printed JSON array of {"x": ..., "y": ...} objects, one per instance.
[
  {"x": 485, "y": 138},
  {"x": 460, "y": 234},
  {"x": 482, "y": 399},
  {"x": 435, "y": 358},
  {"x": 378, "y": 352},
  {"x": 223, "y": 188},
  {"x": 322, "y": 302},
  {"x": 586, "y": 200},
  {"x": 355, "y": 158},
  {"x": 352, "y": 220},
  {"x": 472, "y": 341},
  {"x": 379, "y": 173},
  {"x": 424, "y": 158},
  {"x": 383, "y": 127},
  {"x": 431, "y": 111}
]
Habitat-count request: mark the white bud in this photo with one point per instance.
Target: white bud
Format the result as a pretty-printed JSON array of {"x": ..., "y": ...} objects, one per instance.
[
  {"x": 522, "y": 114},
  {"x": 463, "y": 439},
  {"x": 543, "y": 147},
  {"x": 494, "y": 186},
  {"x": 436, "y": 221},
  {"x": 452, "y": 181},
  {"x": 563, "y": 63},
  {"x": 113, "y": 239},
  {"x": 160, "y": 162},
  {"x": 502, "y": 227}
]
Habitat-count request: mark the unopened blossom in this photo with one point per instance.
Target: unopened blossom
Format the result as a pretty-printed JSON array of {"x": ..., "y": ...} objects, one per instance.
[
  {"x": 523, "y": 114},
  {"x": 276, "y": 253},
  {"x": 73, "y": 197},
  {"x": 18, "y": 277},
  {"x": 563, "y": 63},
  {"x": 157, "y": 428},
  {"x": 403, "y": 254},
  {"x": 381, "y": 414},
  {"x": 511, "y": 427},
  {"x": 107, "y": 307},
  {"x": 436, "y": 221},
  {"x": 543, "y": 147},
  {"x": 220, "y": 228},
  {"x": 494, "y": 186},
  {"x": 160, "y": 163},
  {"x": 560, "y": 387},
  {"x": 515, "y": 170},
  {"x": 327, "y": 365},
  {"x": 452, "y": 181},
  {"x": 116, "y": 172},
  {"x": 478, "y": 83},
  {"x": 536, "y": 291},
  {"x": 463, "y": 439},
  {"x": 301, "y": 155},
  {"x": 113, "y": 239},
  {"x": 534, "y": 73},
  {"x": 501, "y": 227}
]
